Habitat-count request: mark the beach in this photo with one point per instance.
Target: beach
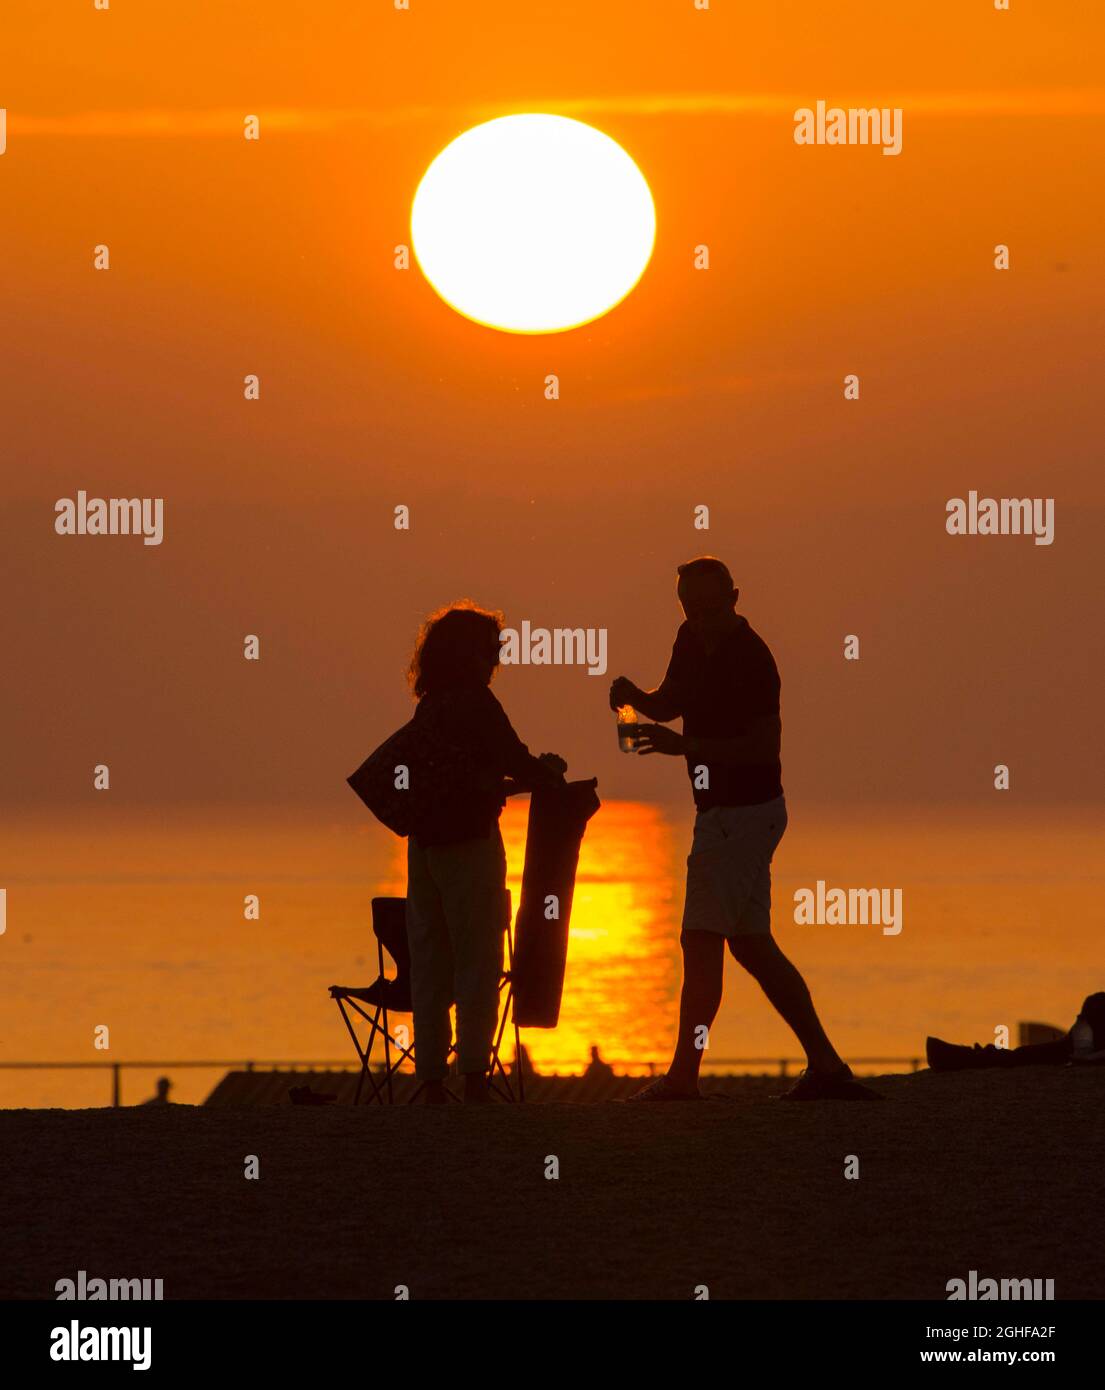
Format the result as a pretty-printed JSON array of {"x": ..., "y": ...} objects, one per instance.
[{"x": 996, "y": 1172}]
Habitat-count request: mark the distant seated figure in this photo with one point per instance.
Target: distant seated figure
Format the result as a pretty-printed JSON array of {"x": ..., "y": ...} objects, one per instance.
[
  {"x": 1084, "y": 1043},
  {"x": 164, "y": 1085},
  {"x": 522, "y": 1066},
  {"x": 596, "y": 1066}
]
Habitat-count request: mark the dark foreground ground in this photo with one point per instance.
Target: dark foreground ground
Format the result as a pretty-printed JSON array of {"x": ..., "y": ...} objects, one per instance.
[{"x": 998, "y": 1172}]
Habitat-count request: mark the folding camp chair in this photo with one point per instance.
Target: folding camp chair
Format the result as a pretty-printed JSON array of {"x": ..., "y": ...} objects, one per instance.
[{"x": 385, "y": 997}]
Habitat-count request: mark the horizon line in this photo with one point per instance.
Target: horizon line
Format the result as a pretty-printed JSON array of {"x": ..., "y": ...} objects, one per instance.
[{"x": 179, "y": 122}]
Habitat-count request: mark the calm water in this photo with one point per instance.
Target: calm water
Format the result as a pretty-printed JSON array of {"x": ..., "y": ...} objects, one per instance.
[{"x": 140, "y": 926}]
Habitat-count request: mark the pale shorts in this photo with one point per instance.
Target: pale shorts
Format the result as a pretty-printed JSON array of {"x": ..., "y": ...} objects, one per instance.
[{"x": 729, "y": 869}]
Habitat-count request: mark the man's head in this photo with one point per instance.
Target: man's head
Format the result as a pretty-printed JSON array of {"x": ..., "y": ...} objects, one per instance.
[{"x": 708, "y": 597}]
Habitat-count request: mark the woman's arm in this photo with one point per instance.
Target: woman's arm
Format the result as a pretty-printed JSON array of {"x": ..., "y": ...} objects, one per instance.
[{"x": 510, "y": 757}]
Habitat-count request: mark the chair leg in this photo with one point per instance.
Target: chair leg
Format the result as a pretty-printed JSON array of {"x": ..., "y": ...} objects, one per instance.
[
  {"x": 365, "y": 1054},
  {"x": 496, "y": 1059},
  {"x": 395, "y": 1052},
  {"x": 518, "y": 1065},
  {"x": 362, "y": 1056},
  {"x": 373, "y": 1029},
  {"x": 387, "y": 1029}
]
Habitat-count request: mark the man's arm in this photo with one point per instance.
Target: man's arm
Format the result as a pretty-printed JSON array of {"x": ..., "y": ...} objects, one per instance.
[
  {"x": 665, "y": 702},
  {"x": 661, "y": 704},
  {"x": 759, "y": 744}
]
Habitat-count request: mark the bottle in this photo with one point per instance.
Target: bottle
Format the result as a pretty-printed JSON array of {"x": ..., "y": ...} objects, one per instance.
[{"x": 627, "y": 728}]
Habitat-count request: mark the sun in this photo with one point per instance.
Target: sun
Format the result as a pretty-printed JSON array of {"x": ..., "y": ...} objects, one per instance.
[{"x": 533, "y": 223}]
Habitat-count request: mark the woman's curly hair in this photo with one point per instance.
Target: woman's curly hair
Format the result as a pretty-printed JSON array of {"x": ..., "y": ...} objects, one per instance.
[{"x": 450, "y": 644}]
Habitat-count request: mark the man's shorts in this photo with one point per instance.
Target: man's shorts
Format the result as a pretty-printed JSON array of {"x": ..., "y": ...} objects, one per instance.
[{"x": 729, "y": 869}]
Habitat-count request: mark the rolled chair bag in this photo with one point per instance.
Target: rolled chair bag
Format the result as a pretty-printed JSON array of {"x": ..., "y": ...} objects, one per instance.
[{"x": 558, "y": 818}]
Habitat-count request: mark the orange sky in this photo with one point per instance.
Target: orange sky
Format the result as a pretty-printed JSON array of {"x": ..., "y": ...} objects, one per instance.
[{"x": 721, "y": 387}]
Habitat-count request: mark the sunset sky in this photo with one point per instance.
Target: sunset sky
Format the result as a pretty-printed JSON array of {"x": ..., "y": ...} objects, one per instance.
[{"x": 721, "y": 387}]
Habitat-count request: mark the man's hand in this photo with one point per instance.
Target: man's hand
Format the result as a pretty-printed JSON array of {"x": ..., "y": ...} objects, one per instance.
[
  {"x": 624, "y": 692},
  {"x": 554, "y": 762},
  {"x": 654, "y": 738}
]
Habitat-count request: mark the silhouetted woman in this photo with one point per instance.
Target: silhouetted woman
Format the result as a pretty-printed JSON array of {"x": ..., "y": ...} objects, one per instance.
[{"x": 456, "y": 866}]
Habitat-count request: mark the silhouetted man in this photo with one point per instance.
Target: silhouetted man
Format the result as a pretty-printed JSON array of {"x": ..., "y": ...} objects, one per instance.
[
  {"x": 723, "y": 682},
  {"x": 597, "y": 1067},
  {"x": 162, "y": 1097}
]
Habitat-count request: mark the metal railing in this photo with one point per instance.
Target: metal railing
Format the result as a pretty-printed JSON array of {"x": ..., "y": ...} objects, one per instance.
[
  {"x": 782, "y": 1066},
  {"x": 117, "y": 1067}
]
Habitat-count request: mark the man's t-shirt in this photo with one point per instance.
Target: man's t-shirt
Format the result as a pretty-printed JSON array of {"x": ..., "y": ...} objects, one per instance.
[{"x": 720, "y": 694}]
